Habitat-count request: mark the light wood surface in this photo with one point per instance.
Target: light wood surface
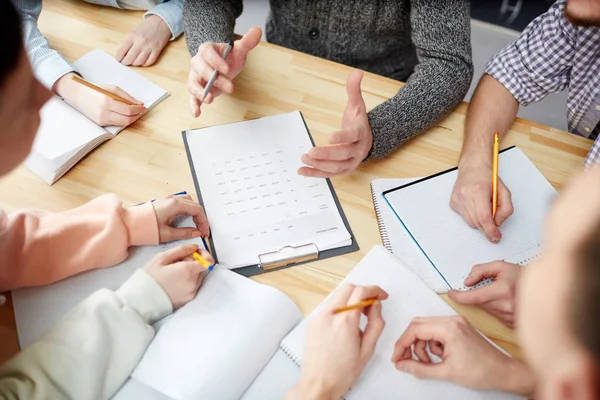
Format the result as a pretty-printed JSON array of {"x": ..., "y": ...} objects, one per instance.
[{"x": 148, "y": 159}]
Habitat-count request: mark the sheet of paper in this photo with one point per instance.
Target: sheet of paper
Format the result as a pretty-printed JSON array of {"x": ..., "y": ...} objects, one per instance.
[
  {"x": 217, "y": 344},
  {"x": 398, "y": 241},
  {"x": 99, "y": 67},
  {"x": 62, "y": 130},
  {"x": 452, "y": 246},
  {"x": 409, "y": 298},
  {"x": 38, "y": 308},
  {"x": 254, "y": 198}
]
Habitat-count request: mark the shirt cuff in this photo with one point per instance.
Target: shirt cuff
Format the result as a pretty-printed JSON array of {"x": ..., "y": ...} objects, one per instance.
[
  {"x": 171, "y": 14},
  {"x": 142, "y": 225},
  {"x": 146, "y": 297},
  {"x": 52, "y": 69}
]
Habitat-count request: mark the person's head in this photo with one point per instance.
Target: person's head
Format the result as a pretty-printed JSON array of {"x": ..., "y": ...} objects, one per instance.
[
  {"x": 559, "y": 296},
  {"x": 21, "y": 94},
  {"x": 583, "y": 12}
]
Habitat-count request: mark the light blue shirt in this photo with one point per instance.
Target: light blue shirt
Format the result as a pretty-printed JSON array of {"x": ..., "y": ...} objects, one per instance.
[{"x": 48, "y": 64}]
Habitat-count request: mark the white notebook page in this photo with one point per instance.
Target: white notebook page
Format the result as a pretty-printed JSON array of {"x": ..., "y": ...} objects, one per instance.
[
  {"x": 255, "y": 200},
  {"x": 449, "y": 243},
  {"x": 216, "y": 345},
  {"x": 409, "y": 298},
  {"x": 399, "y": 241}
]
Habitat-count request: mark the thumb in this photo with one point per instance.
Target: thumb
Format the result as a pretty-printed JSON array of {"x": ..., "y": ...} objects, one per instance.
[
  {"x": 249, "y": 41},
  {"x": 355, "y": 99},
  {"x": 422, "y": 370}
]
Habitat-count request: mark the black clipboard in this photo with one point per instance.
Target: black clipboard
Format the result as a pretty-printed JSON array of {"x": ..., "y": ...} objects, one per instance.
[{"x": 257, "y": 269}]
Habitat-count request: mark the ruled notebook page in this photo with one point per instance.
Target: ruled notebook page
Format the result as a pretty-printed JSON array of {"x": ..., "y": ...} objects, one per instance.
[{"x": 452, "y": 246}]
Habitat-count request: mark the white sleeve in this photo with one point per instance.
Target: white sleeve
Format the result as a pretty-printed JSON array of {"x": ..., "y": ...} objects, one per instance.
[{"x": 92, "y": 351}]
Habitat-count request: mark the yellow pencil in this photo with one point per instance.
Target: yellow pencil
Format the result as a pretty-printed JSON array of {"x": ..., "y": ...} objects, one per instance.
[
  {"x": 360, "y": 304},
  {"x": 98, "y": 89},
  {"x": 495, "y": 175},
  {"x": 205, "y": 263}
]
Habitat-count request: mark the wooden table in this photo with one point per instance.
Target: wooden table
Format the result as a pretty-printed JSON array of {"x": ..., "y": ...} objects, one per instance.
[{"x": 148, "y": 159}]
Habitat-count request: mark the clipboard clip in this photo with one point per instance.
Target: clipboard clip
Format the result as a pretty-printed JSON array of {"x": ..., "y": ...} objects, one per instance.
[{"x": 288, "y": 255}]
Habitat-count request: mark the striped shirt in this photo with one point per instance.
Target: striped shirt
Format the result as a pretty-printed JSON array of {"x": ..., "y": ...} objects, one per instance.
[
  {"x": 552, "y": 55},
  {"x": 49, "y": 65}
]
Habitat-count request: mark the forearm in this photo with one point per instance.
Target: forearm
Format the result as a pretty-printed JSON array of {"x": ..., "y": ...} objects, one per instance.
[
  {"x": 492, "y": 109},
  {"x": 39, "y": 247},
  {"x": 516, "y": 377},
  {"x": 209, "y": 21},
  {"x": 90, "y": 353},
  {"x": 432, "y": 92}
]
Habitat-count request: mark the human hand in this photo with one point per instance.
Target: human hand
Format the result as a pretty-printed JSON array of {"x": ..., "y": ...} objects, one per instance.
[
  {"x": 170, "y": 207},
  {"x": 337, "y": 350},
  {"x": 472, "y": 199},
  {"x": 101, "y": 109},
  {"x": 348, "y": 147},
  {"x": 210, "y": 58},
  {"x": 177, "y": 273},
  {"x": 143, "y": 45},
  {"x": 497, "y": 298},
  {"x": 467, "y": 358}
]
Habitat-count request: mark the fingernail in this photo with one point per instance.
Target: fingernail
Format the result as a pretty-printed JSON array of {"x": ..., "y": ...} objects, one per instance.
[
  {"x": 495, "y": 240},
  {"x": 196, "y": 234}
]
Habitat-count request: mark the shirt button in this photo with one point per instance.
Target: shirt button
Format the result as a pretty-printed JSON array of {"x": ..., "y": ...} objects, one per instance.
[
  {"x": 588, "y": 130},
  {"x": 313, "y": 33}
]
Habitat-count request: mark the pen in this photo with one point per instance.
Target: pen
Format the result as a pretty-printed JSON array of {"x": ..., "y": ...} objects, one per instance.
[
  {"x": 113, "y": 96},
  {"x": 360, "y": 304},
  {"x": 495, "y": 175},
  {"x": 205, "y": 263},
  {"x": 215, "y": 73}
]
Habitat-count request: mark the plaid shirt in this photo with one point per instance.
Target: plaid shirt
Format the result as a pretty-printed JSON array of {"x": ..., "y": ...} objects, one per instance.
[{"x": 550, "y": 56}]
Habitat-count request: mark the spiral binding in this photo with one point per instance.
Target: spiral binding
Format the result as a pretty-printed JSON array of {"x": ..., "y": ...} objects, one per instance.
[
  {"x": 385, "y": 240},
  {"x": 529, "y": 260},
  {"x": 289, "y": 353}
]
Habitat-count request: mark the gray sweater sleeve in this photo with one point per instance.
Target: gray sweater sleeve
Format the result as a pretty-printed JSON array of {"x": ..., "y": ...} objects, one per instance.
[
  {"x": 441, "y": 32},
  {"x": 209, "y": 21}
]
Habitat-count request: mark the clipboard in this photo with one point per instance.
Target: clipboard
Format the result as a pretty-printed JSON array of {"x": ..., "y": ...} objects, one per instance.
[{"x": 287, "y": 256}]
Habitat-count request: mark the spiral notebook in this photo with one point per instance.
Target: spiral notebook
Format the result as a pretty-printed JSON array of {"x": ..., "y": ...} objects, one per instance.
[{"x": 417, "y": 224}]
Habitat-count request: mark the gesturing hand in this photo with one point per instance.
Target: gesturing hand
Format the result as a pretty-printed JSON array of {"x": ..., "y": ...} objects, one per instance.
[
  {"x": 337, "y": 350},
  {"x": 209, "y": 58},
  {"x": 467, "y": 358},
  {"x": 497, "y": 298},
  {"x": 177, "y": 273},
  {"x": 472, "y": 199},
  {"x": 144, "y": 44},
  {"x": 350, "y": 146},
  {"x": 168, "y": 208}
]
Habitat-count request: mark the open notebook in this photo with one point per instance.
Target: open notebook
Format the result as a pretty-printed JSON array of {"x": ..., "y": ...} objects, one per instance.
[
  {"x": 418, "y": 224},
  {"x": 261, "y": 212},
  {"x": 65, "y": 135},
  {"x": 242, "y": 339}
]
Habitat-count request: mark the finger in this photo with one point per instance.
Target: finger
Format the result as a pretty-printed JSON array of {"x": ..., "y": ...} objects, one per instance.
[
  {"x": 367, "y": 292},
  {"x": 196, "y": 86},
  {"x": 132, "y": 54},
  {"x": 207, "y": 256},
  {"x": 350, "y": 135},
  {"x": 205, "y": 72},
  {"x": 121, "y": 93},
  {"x": 483, "y": 212},
  {"x": 433, "y": 328},
  {"x": 471, "y": 211},
  {"x": 193, "y": 209},
  {"x": 170, "y": 234},
  {"x": 483, "y": 271},
  {"x": 124, "y": 109},
  {"x": 436, "y": 348},
  {"x": 423, "y": 371},
  {"x": 421, "y": 352},
  {"x": 331, "y": 167},
  {"x": 152, "y": 58},
  {"x": 249, "y": 41},
  {"x": 183, "y": 196},
  {"x": 340, "y": 297},
  {"x": 124, "y": 48},
  {"x": 477, "y": 296},
  {"x": 116, "y": 119},
  {"x": 142, "y": 57},
  {"x": 316, "y": 173},
  {"x": 177, "y": 253},
  {"x": 372, "y": 331},
  {"x": 355, "y": 99},
  {"x": 195, "y": 106},
  {"x": 505, "y": 207},
  {"x": 339, "y": 152},
  {"x": 213, "y": 58}
]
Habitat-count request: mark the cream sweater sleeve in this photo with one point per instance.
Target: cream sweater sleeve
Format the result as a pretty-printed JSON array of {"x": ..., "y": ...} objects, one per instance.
[{"x": 92, "y": 351}]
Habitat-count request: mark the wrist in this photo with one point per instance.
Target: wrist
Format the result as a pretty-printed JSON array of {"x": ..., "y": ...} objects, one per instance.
[
  {"x": 518, "y": 378},
  {"x": 314, "y": 390},
  {"x": 474, "y": 160},
  {"x": 63, "y": 85}
]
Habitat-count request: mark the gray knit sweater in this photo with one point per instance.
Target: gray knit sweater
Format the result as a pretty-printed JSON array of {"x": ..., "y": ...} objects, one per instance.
[{"x": 425, "y": 43}]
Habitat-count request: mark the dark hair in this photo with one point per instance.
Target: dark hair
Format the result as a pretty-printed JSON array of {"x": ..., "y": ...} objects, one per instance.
[
  {"x": 10, "y": 32},
  {"x": 586, "y": 295}
]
